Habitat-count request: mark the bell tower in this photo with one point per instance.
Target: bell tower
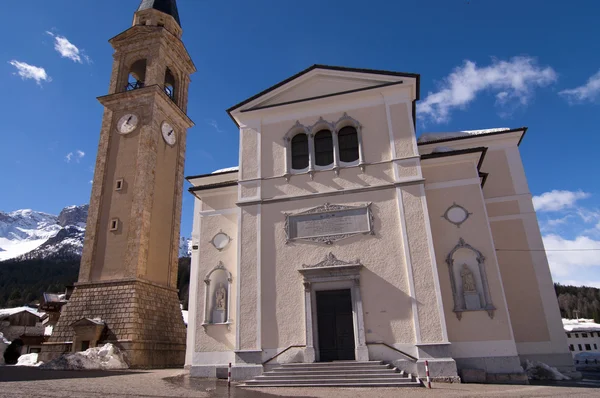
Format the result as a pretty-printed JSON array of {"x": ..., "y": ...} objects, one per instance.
[{"x": 128, "y": 273}]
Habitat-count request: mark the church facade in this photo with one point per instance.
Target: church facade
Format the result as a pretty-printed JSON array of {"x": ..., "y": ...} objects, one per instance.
[{"x": 341, "y": 236}]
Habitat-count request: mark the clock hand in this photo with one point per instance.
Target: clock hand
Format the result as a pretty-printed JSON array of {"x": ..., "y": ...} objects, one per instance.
[
  {"x": 169, "y": 133},
  {"x": 128, "y": 120}
]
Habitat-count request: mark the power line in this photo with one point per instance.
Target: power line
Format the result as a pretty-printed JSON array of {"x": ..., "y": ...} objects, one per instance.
[{"x": 547, "y": 250}]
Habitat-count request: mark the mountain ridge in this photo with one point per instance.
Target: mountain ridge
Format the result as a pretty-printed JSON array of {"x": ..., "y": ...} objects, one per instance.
[{"x": 27, "y": 234}]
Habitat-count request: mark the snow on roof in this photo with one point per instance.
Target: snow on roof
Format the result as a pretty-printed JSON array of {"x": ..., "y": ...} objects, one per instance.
[
  {"x": 4, "y": 312},
  {"x": 225, "y": 170},
  {"x": 431, "y": 137},
  {"x": 580, "y": 325},
  {"x": 442, "y": 149},
  {"x": 184, "y": 313}
]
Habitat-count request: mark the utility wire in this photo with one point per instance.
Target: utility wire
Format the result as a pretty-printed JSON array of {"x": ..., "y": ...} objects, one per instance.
[{"x": 547, "y": 250}]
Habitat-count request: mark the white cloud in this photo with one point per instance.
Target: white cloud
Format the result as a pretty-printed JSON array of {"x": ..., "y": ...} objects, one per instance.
[
  {"x": 557, "y": 200},
  {"x": 513, "y": 80},
  {"x": 587, "y": 92},
  {"x": 66, "y": 49},
  {"x": 572, "y": 282},
  {"x": 565, "y": 255},
  {"x": 78, "y": 155},
  {"x": 27, "y": 71},
  {"x": 214, "y": 123}
]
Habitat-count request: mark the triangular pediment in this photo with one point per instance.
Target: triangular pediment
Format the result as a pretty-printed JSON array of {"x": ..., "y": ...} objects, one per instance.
[
  {"x": 321, "y": 81},
  {"x": 321, "y": 85}
]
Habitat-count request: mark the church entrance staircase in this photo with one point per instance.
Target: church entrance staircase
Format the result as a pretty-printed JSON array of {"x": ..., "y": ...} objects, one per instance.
[{"x": 335, "y": 374}]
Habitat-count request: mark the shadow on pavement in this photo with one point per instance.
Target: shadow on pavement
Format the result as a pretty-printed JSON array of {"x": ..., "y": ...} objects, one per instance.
[
  {"x": 24, "y": 373},
  {"x": 216, "y": 387}
]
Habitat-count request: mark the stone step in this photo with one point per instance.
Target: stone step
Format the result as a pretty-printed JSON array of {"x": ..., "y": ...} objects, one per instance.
[
  {"x": 370, "y": 383},
  {"x": 325, "y": 368},
  {"x": 331, "y": 372},
  {"x": 332, "y": 364},
  {"x": 393, "y": 375},
  {"x": 334, "y": 374}
]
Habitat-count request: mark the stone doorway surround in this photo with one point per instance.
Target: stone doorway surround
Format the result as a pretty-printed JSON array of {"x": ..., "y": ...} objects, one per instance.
[{"x": 332, "y": 274}]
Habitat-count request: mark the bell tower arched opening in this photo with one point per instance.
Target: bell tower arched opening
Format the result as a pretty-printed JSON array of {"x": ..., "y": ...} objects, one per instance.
[
  {"x": 170, "y": 85},
  {"x": 136, "y": 78}
]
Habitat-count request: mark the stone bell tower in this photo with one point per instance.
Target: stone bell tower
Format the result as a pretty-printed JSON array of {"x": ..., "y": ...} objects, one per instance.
[{"x": 128, "y": 273}]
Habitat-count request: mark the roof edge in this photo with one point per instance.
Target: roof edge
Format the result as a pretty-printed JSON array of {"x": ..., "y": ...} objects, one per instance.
[
  {"x": 327, "y": 67},
  {"x": 524, "y": 129},
  {"x": 209, "y": 174}
]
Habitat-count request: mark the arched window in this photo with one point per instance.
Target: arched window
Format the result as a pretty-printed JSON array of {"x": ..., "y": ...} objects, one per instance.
[
  {"x": 170, "y": 84},
  {"x": 323, "y": 148},
  {"x": 137, "y": 75},
  {"x": 300, "y": 151},
  {"x": 348, "y": 144}
]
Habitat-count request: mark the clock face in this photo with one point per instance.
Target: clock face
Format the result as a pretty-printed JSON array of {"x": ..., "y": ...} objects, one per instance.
[
  {"x": 168, "y": 133},
  {"x": 127, "y": 123}
]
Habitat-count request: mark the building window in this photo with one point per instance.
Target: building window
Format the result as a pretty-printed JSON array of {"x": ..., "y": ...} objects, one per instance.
[
  {"x": 348, "y": 144},
  {"x": 568, "y": 335},
  {"x": 588, "y": 347},
  {"x": 577, "y": 335},
  {"x": 323, "y": 148},
  {"x": 85, "y": 344},
  {"x": 119, "y": 184},
  {"x": 595, "y": 346},
  {"x": 583, "y": 334},
  {"x": 571, "y": 347},
  {"x": 114, "y": 224},
  {"x": 579, "y": 345},
  {"x": 300, "y": 151}
]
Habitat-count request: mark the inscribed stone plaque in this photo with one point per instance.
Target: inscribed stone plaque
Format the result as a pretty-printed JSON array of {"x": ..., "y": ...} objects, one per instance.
[{"x": 329, "y": 223}]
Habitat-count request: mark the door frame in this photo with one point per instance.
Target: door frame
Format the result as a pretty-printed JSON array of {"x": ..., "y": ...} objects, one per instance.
[{"x": 336, "y": 277}]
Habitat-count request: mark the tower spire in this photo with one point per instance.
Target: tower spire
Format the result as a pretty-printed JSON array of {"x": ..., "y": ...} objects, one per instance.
[{"x": 168, "y": 7}]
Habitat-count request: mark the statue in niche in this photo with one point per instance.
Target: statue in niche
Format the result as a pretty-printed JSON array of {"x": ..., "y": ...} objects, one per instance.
[
  {"x": 468, "y": 281},
  {"x": 220, "y": 296}
]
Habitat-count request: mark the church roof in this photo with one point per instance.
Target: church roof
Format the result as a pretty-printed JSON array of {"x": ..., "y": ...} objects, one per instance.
[
  {"x": 167, "y": 6},
  {"x": 331, "y": 68}
]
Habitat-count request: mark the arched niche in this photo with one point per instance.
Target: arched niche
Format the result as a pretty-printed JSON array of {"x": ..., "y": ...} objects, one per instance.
[
  {"x": 468, "y": 278},
  {"x": 217, "y": 296}
]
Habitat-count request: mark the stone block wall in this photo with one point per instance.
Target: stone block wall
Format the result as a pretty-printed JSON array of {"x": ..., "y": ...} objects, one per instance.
[{"x": 142, "y": 318}]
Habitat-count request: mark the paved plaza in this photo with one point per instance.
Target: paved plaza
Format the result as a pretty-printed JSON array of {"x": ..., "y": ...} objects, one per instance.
[{"x": 32, "y": 382}]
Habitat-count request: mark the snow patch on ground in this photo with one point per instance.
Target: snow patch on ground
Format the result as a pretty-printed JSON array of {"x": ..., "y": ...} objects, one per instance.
[
  {"x": 28, "y": 360},
  {"x": 98, "y": 358},
  {"x": 540, "y": 371},
  {"x": 430, "y": 137}
]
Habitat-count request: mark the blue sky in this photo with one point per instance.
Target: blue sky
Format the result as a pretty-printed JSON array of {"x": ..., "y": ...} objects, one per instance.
[{"x": 482, "y": 64}]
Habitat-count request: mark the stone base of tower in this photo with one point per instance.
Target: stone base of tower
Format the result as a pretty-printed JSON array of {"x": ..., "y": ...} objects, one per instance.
[{"x": 142, "y": 318}]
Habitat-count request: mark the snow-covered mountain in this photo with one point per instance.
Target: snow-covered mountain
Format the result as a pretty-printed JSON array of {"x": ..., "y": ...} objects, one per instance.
[
  {"x": 33, "y": 234},
  {"x": 28, "y": 234},
  {"x": 185, "y": 247}
]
